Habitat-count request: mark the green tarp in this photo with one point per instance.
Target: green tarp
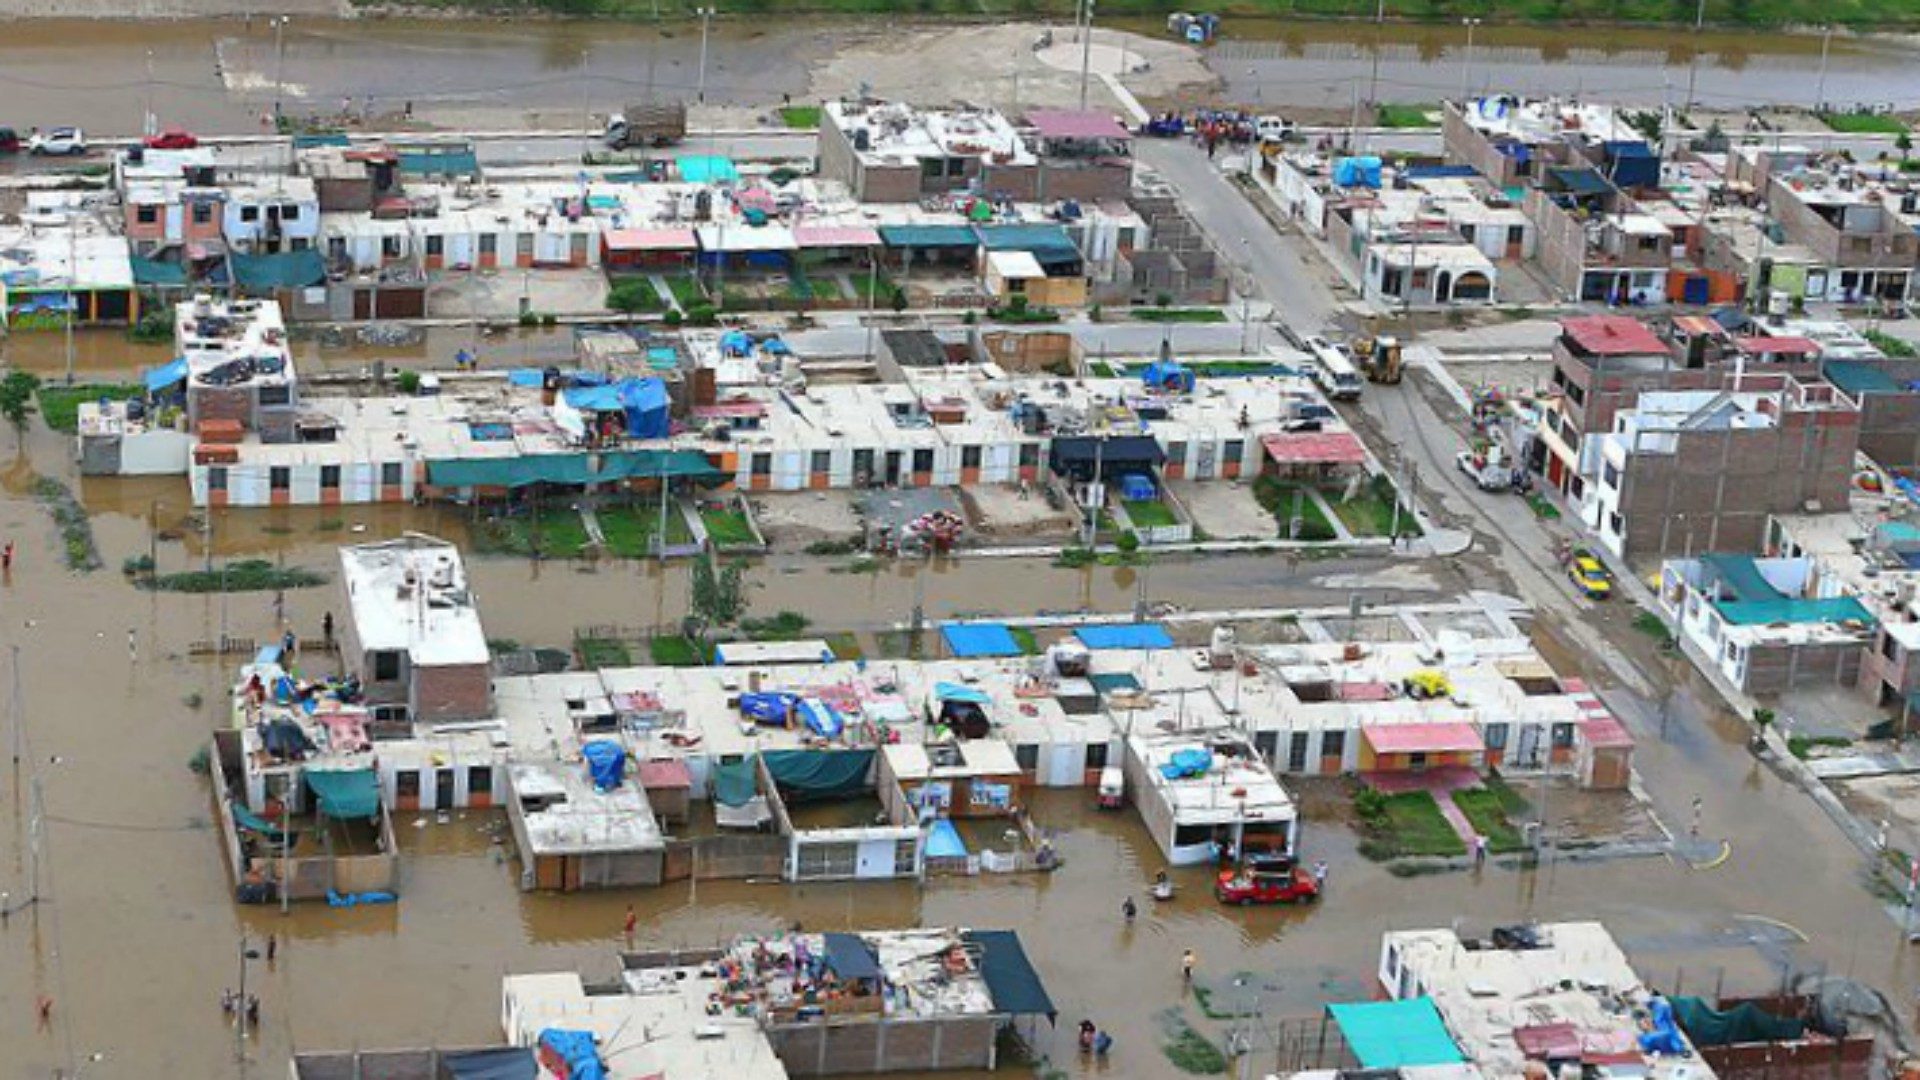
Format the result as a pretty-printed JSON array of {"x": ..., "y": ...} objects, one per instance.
[
  {"x": 439, "y": 163},
  {"x": 1011, "y": 981},
  {"x": 820, "y": 774},
  {"x": 733, "y": 782},
  {"x": 154, "y": 272},
  {"x": 1744, "y": 1023},
  {"x": 1395, "y": 1034},
  {"x": 284, "y": 270},
  {"x": 345, "y": 793},
  {"x": 514, "y": 472}
]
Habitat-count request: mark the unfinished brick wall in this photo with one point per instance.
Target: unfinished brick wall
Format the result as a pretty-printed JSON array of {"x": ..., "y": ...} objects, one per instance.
[
  {"x": 453, "y": 692},
  {"x": 1779, "y": 668}
]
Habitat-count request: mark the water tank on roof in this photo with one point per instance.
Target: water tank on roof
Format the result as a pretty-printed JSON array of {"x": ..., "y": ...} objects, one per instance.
[{"x": 862, "y": 140}]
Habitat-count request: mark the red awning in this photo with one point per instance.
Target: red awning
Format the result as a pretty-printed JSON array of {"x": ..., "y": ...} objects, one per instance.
[
  {"x": 1315, "y": 448},
  {"x": 1761, "y": 346},
  {"x": 665, "y": 773},
  {"x": 650, "y": 240},
  {"x": 836, "y": 236},
  {"x": 1446, "y": 738},
  {"x": 1612, "y": 335},
  {"x": 1076, "y": 124},
  {"x": 1605, "y": 733}
]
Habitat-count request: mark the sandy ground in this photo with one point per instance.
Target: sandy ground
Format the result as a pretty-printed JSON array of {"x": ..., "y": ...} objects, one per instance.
[
  {"x": 998, "y": 514},
  {"x": 995, "y": 65},
  {"x": 496, "y": 294},
  {"x": 791, "y": 522},
  {"x": 1225, "y": 511}
]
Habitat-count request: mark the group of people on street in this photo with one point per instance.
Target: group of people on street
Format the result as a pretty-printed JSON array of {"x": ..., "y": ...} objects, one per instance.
[{"x": 1093, "y": 1040}]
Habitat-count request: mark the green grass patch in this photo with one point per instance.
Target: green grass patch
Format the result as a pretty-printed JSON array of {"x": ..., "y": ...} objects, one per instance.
[
  {"x": 1150, "y": 513},
  {"x": 674, "y": 650},
  {"x": 60, "y": 405},
  {"x": 1074, "y": 558},
  {"x": 76, "y": 527},
  {"x": 634, "y": 295},
  {"x": 244, "y": 575},
  {"x": 1650, "y": 624},
  {"x": 801, "y": 117},
  {"x": 1898, "y": 348},
  {"x": 1489, "y": 817},
  {"x": 783, "y": 626},
  {"x": 1370, "y": 512},
  {"x": 1192, "y": 1052},
  {"x": 1276, "y": 497},
  {"x": 1179, "y": 315},
  {"x": 1403, "y": 824},
  {"x": 1023, "y": 637},
  {"x": 1406, "y": 116},
  {"x": 728, "y": 528},
  {"x": 846, "y": 646},
  {"x": 598, "y": 652},
  {"x": 1543, "y": 508},
  {"x": 552, "y": 533},
  {"x": 686, "y": 290},
  {"x": 1862, "y": 123},
  {"x": 630, "y": 530},
  {"x": 1801, "y": 745},
  {"x": 1512, "y": 803}
]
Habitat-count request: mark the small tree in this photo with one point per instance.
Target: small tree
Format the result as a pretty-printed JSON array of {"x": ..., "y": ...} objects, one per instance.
[
  {"x": 899, "y": 300},
  {"x": 717, "y": 598},
  {"x": 16, "y": 401},
  {"x": 1904, "y": 144}
]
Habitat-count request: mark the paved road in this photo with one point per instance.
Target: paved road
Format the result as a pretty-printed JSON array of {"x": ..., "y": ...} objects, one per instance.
[{"x": 1296, "y": 290}]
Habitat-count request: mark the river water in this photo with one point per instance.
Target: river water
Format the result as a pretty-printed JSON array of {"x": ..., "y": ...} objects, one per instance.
[{"x": 224, "y": 75}]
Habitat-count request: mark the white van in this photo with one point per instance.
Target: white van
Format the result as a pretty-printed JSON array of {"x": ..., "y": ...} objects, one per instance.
[{"x": 1333, "y": 370}]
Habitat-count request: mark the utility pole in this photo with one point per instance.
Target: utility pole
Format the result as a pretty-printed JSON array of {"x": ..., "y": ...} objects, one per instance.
[
  {"x": 148, "y": 126},
  {"x": 1820, "y": 91},
  {"x": 15, "y": 706},
  {"x": 706, "y": 19},
  {"x": 1466, "y": 64},
  {"x": 73, "y": 281},
  {"x": 279, "y": 64},
  {"x": 1086, "y": 51}
]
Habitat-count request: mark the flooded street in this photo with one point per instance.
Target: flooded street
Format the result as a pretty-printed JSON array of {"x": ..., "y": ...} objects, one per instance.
[
  {"x": 137, "y": 935},
  {"x": 223, "y": 75}
]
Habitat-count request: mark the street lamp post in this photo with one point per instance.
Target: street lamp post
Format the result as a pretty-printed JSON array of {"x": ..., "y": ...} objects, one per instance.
[
  {"x": 240, "y": 1004},
  {"x": 706, "y": 20},
  {"x": 279, "y": 64},
  {"x": 1466, "y": 64},
  {"x": 1085, "y": 50}
]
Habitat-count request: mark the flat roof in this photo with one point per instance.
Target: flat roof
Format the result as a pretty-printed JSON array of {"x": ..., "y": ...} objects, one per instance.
[
  {"x": 411, "y": 594},
  {"x": 1077, "y": 124},
  {"x": 1236, "y": 788},
  {"x": 659, "y": 1027},
  {"x": 578, "y": 818}
]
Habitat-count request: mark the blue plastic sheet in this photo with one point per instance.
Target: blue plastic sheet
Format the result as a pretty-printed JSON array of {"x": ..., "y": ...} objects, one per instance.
[
  {"x": 606, "y": 763},
  {"x": 1128, "y": 636},
  {"x": 769, "y": 708},
  {"x": 1665, "y": 1037},
  {"x": 577, "y": 1050},
  {"x": 166, "y": 375},
  {"x": 340, "y": 899},
  {"x": 1186, "y": 763},
  {"x": 979, "y": 639},
  {"x": 944, "y": 842},
  {"x": 1357, "y": 172},
  {"x": 821, "y": 718},
  {"x": 949, "y": 691}
]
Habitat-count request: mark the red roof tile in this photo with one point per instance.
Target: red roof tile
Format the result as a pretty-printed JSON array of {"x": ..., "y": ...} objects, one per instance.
[
  {"x": 1612, "y": 335},
  {"x": 1314, "y": 448}
]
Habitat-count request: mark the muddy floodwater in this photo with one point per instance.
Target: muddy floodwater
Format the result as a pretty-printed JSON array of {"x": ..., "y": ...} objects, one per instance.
[
  {"x": 136, "y": 935},
  {"x": 224, "y": 75}
]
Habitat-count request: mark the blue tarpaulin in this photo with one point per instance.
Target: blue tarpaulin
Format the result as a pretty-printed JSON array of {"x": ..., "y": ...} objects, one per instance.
[
  {"x": 771, "y": 707},
  {"x": 1184, "y": 763},
  {"x": 944, "y": 842},
  {"x": 1168, "y": 375},
  {"x": 979, "y": 639},
  {"x": 1011, "y": 981},
  {"x": 1127, "y": 636},
  {"x": 346, "y": 793},
  {"x": 1357, "y": 172},
  {"x": 948, "y": 691},
  {"x": 577, "y": 1050},
  {"x": 850, "y": 958},
  {"x": 1395, "y": 1034},
  {"x": 159, "y": 378},
  {"x": 643, "y": 400},
  {"x": 707, "y": 169},
  {"x": 1137, "y": 487},
  {"x": 606, "y": 763},
  {"x": 821, "y": 718}
]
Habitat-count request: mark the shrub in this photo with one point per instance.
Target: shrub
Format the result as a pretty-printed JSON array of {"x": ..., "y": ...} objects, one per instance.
[{"x": 407, "y": 381}]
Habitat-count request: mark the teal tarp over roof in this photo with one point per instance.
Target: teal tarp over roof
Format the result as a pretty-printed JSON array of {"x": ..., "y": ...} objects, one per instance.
[
  {"x": 439, "y": 163},
  {"x": 308, "y": 142},
  {"x": 1739, "y": 574},
  {"x": 820, "y": 774},
  {"x": 928, "y": 236},
  {"x": 1046, "y": 243},
  {"x": 346, "y": 793},
  {"x": 733, "y": 782},
  {"x": 1011, "y": 981},
  {"x": 1395, "y": 1034},
  {"x": 514, "y": 472},
  {"x": 1756, "y": 602},
  {"x": 1858, "y": 377},
  {"x": 155, "y": 272},
  {"x": 706, "y": 169},
  {"x": 283, "y": 270}
]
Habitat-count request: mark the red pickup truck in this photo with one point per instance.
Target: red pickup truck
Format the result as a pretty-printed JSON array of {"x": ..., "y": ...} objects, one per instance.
[{"x": 1266, "y": 881}]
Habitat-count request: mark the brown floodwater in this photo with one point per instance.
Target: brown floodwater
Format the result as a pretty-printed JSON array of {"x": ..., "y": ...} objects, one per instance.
[
  {"x": 138, "y": 936},
  {"x": 223, "y": 75}
]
